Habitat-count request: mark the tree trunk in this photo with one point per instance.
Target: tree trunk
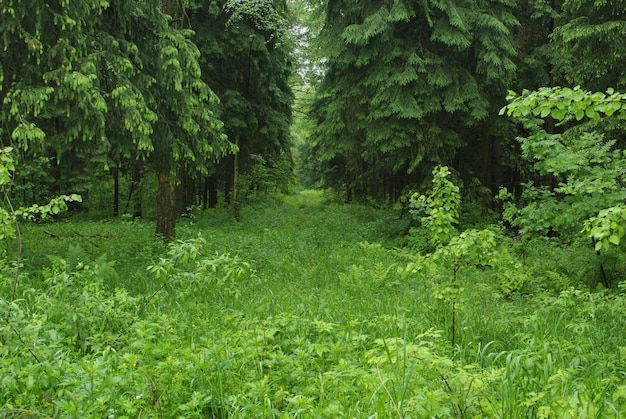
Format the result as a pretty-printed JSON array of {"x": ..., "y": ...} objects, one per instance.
[
  {"x": 136, "y": 185},
  {"x": 228, "y": 187},
  {"x": 134, "y": 194},
  {"x": 166, "y": 206},
  {"x": 205, "y": 192},
  {"x": 234, "y": 202},
  {"x": 185, "y": 193},
  {"x": 211, "y": 192},
  {"x": 115, "y": 172}
]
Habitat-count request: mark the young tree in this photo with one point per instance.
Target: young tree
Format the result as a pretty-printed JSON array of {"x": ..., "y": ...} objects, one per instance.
[{"x": 587, "y": 163}]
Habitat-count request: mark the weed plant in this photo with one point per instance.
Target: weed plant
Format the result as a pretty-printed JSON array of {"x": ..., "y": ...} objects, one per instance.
[{"x": 302, "y": 308}]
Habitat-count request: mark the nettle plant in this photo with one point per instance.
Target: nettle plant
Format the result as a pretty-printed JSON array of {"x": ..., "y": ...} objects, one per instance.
[{"x": 586, "y": 165}]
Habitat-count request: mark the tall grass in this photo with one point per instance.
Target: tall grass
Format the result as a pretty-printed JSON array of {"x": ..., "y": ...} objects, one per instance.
[{"x": 300, "y": 309}]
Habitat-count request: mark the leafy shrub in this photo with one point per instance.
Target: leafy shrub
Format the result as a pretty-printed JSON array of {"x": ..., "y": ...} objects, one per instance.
[
  {"x": 188, "y": 262},
  {"x": 438, "y": 210}
]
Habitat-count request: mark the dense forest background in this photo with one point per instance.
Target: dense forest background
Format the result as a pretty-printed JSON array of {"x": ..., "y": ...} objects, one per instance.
[
  {"x": 152, "y": 109},
  {"x": 396, "y": 208}
]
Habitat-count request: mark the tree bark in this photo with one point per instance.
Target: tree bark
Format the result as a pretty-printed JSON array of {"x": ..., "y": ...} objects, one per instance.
[
  {"x": 234, "y": 202},
  {"x": 136, "y": 185},
  {"x": 115, "y": 172},
  {"x": 210, "y": 191},
  {"x": 166, "y": 206},
  {"x": 134, "y": 194}
]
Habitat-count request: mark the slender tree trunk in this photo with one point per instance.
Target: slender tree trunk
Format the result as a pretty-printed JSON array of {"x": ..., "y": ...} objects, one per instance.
[
  {"x": 115, "y": 171},
  {"x": 136, "y": 186},
  {"x": 228, "y": 187},
  {"x": 234, "y": 201},
  {"x": 166, "y": 206},
  {"x": 205, "y": 192},
  {"x": 134, "y": 195},
  {"x": 185, "y": 193},
  {"x": 211, "y": 185}
]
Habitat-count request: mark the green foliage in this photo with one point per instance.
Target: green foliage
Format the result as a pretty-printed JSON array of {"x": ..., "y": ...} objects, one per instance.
[
  {"x": 439, "y": 210},
  {"x": 106, "y": 82},
  {"x": 512, "y": 275},
  {"x": 187, "y": 262},
  {"x": 54, "y": 207},
  {"x": 404, "y": 85},
  {"x": 245, "y": 56},
  {"x": 458, "y": 252},
  {"x": 94, "y": 338},
  {"x": 9, "y": 215},
  {"x": 586, "y": 42},
  {"x": 588, "y": 167},
  {"x": 565, "y": 104},
  {"x": 607, "y": 227},
  {"x": 7, "y": 166},
  {"x": 268, "y": 177},
  {"x": 261, "y": 14}
]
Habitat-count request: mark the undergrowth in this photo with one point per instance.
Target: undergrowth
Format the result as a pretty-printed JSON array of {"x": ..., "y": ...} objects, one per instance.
[{"x": 305, "y": 309}]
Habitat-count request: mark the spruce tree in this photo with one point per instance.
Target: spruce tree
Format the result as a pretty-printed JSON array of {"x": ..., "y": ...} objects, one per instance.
[
  {"x": 407, "y": 85},
  {"x": 589, "y": 43},
  {"x": 246, "y": 59},
  {"x": 101, "y": 76}
]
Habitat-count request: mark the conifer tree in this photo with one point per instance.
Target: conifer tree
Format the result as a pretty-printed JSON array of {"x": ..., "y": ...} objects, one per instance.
[
  {"x": 246, "y": 59},
  {"x": 101, "y": 75},
  {"x": 408, "y": 84},
  {"x": 590, "y": 43}
]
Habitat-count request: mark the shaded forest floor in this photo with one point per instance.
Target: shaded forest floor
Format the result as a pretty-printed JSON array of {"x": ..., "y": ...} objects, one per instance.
[{"x": 304, "y": 309}]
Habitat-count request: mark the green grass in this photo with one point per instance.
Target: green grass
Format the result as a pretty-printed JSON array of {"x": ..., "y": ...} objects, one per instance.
[{"x": 301, "y": 309}]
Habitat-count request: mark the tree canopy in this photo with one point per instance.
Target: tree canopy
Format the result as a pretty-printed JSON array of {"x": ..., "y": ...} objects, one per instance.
[
  {"x": 246, "y": 58},
  {"x": 406, "y": 85},
  {"x": 386, "y": 91},
  {"x": 104, "y": 75}
]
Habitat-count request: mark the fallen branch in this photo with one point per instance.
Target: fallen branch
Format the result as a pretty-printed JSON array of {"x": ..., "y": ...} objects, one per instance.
[{"x": 51, "y": 234}]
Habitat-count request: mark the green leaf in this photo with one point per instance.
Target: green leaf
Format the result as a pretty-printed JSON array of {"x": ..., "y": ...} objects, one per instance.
[
  {"x": 579, "y": 114},
  {"x": 523, "y": 110},
  {"x": 557, "y": 114},
  {"x": 614, "y": 239},
  {"x": 591, "y": 113}
]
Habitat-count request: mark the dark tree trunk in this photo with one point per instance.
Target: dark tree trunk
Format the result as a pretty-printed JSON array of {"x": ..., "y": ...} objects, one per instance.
[
  {"x": 186, "y": 194},
  {"x": 211, "y": 190},
  {"x": 136, "y": 186},
  {"x": 205, "y": 193},
  {"x": 115, "y": 172},
  {"x": 134, "y": 195},
  {"x": 166, "y": 206},
  {"x": 234, "y": 202}
]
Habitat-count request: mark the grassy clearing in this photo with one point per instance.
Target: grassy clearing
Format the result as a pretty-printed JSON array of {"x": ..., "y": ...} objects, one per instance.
[{"x": 302, "y": 309}]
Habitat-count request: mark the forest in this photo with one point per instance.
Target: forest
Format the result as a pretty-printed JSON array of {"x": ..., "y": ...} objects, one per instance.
[{"x": 312, "y": 209}]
